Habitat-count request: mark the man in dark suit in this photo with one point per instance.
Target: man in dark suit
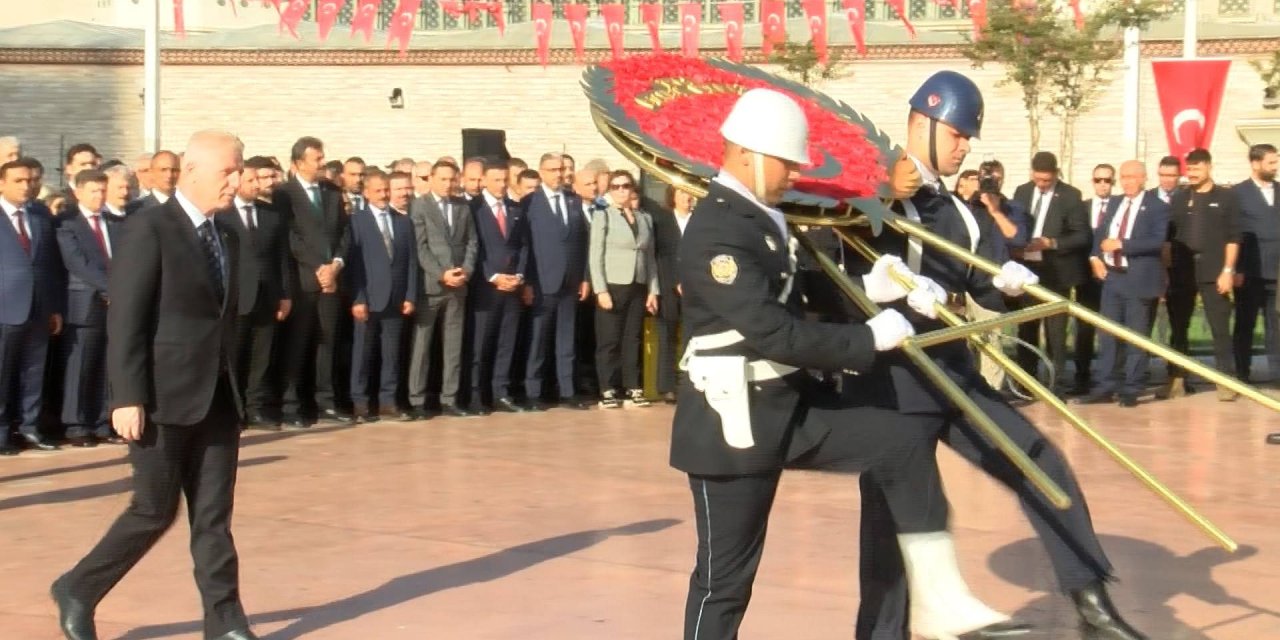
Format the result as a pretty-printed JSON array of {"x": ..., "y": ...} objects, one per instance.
[
  {"x": 164, "y": 179},
  {"x": 31, "y": 288},
  {"x": 1259, "y": 262},
  {"x": 87, "y": 241},
  {"x": 558, "y": 279},
  {"x": 669, "y": 223},
  {"x": 318, "y": 243},
  {"x": 171, "y": 369},
  {"x": 1057, "y": 252},
  {"x": 266, "y": 288},
  {"x": 384, "y": 282},
  {"x": 1126, "y": 260},
  {"x": 1205, "y": 231},
  {"x": 446, "y": 249},
  {"x": 1089, "y": 291},
  {"x": 501, "y": 259}
]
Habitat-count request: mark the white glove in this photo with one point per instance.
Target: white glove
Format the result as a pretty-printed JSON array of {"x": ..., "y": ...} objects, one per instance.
[
  {"x": 880, "y": 285},
  {"x": 926, "y": 296},
  {"x": 1014, "y": 278},
  {"x": 890, "y": 328}
]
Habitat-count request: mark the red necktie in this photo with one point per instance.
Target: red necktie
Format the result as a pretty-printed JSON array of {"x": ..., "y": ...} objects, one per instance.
[
  {"x": 97, "y": 232},
  {"x": 1124, "y": 227},
  {"x": 500, "y": 212},
  {"x": 23, "y": 238}
]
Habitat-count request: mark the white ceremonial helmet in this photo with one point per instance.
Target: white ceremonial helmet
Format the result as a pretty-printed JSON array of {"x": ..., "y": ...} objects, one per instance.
[{"x": 769, "y": 122}]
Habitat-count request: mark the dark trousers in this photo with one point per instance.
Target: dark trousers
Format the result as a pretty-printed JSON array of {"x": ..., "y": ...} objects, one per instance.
[
  {"x": 255, "y": 341},
  {"x": 1068, "y": 535},
  {"x": 1181, "y": 303},
  {"x": 197, "y": 461},
  {"x": 732, "y": 512},
  {"x": 1055, "y": 333},
  {"x": 23, "y": 350},
  {"x": 619, "y": 332},
  {"x": 584, "y": 364},
  {"x": 376, "y": 348},
  {"x": 496, "y": 320},
  {"x": 554, "y": 318},
  {"x": 84, "y": 388},
  {"x": 1088, "y": 294},
  {"x": 312, "y": 336},
  {"x": 668, "y": 349},
  {"x": 1138, "y": 314},
  {"x": 1256, "y": 296}
]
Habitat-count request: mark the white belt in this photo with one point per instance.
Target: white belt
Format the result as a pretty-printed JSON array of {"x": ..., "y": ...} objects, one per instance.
[{"x": 757, "y": 370}]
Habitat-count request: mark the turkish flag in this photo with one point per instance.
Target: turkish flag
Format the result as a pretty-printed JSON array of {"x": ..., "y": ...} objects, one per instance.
[
  {"x": 326, "y": 15},
  {"x": 651, "y": 15},
  {"x": 899, "y": 7},
  {"x": 1190, "y": 93},
  {"x": 690, "y": 19},
  {"x": 732, "y": 15},
  {"x": 855, "y": 11},
  {"x": 499, "y": 16},
  {"x": 815, "y": 12},
  {"x": 401, "y": 27},
  {"x": 614, "y": 15},
  {"x": 773, "y": 24},
  {"x": 978, "y": 13},
  {"x": 366, "y": 11},
  {"x": 576, "y": 15},
  {"x": 1078, "y": 13},
  {"x": 453, "y": 8},
  {"x": 473, "y": 10},
  {"x": 292, "y": 15},
  {"x": 179, "y": 21},
  {"x": 541, "y": 14}
]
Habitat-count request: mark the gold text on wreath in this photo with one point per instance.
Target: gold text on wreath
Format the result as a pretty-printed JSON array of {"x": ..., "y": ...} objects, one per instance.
[{"x": 665, "y": 89}]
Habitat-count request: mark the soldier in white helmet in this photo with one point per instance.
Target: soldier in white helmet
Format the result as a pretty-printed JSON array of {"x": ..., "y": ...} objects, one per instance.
[{"x": 748, "y": 408}]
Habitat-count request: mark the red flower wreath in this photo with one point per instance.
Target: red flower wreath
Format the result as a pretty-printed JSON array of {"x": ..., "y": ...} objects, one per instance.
[{"x": 690, "y": 124}]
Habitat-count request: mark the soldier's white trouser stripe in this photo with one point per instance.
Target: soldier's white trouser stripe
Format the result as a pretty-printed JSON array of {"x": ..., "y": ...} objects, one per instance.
[{"x": 706, "y": 506}]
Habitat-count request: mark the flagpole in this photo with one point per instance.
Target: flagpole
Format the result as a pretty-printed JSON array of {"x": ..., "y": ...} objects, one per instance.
[
  {"x": 1132, "y": 89},
  {"x": 151, "y": 78},
  {"x": 1190, "y": 14}
]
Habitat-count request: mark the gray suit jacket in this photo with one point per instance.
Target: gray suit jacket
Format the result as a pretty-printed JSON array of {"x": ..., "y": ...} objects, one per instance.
[
  {"x": 617, "y": 256},
  {"x": 442, "y": 246}
]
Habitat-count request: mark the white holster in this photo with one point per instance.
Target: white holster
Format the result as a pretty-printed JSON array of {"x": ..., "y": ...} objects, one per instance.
[{"x": 723, "y": 381}]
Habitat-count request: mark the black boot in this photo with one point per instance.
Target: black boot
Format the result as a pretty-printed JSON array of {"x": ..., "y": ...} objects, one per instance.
[
  {"x": 1099, "y": 619},
  {"x": 1010, "y": 629}
]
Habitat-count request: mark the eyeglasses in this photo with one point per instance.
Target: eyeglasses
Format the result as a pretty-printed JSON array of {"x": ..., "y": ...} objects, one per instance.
[
  {"x": 1103, "y": 180},
  {"x": 620, "y": 186}
]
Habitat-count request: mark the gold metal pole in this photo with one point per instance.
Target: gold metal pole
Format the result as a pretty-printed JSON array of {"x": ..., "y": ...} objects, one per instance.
[
  {"x": 970, "y": 329},
  {"x": 1032, "y": 384},
  {"x": 1056, "y": 496}
]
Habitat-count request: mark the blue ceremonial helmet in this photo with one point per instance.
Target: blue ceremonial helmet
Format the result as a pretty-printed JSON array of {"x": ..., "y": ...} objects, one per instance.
[{"x": 951, "y": 98}]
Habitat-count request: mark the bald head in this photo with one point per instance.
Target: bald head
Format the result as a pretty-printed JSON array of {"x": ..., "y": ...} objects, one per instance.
[
  {"x": 1133, "y": 178},
  {"x": 422, "y": 177},
  {"x": 165, "y": 169},
  {"x": 585, "y": 184},
  {"x": 10, "y": 149},
  {"x": 211, "y": 168}
]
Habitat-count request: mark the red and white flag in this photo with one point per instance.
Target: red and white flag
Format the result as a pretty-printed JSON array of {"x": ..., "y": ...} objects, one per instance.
[
  {"x": 1190, "y": 94},
  {"x": 614, "y": 15},
  {"x": 453, "y": 8},
  {"x": 292, "y": 15},
  {"x": 326, "y": 15},
  {"x": 179, "y": 20},
  {"x": 541, "y": 14},
  {"x": 855, "y": 11},
  {"x": 899, "y": 7},
  {"x": 1078, "y": 13},
  {"x": 651, "y": 16},
  {"x": 690, "y": 21},
  {"x": 773, "y": 24},
  {"x": 499, "y": 15},
  {"x": 732, "y": 15},
  {"x": 815, "y": 13},
  {"x": 576, "y": 15},
  {"x": 978, "y": 13},
  {"x": 362, "y": 21},
  {"x": 401, "y": 27}
]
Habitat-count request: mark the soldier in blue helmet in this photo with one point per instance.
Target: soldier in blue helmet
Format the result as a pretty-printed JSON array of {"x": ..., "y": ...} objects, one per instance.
[{"x": 946, "y": 112}]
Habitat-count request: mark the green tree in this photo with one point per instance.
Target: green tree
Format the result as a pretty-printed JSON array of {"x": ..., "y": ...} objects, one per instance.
[
  {"x": 800, "y": 62},
  {"x": 1269, "y": 71}
]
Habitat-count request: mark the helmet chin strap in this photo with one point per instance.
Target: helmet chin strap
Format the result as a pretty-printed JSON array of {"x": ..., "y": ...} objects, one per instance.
[
  {"x": 933, "y": 146},
  {"x": 757, "y": 186}
]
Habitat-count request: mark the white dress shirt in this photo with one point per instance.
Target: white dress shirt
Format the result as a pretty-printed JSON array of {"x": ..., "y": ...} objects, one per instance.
[
  {"x": 727, "y": 179},
  {"x": 383, "y": 218},
  {"x": 1040, "y": 202},
  {"x": 102, "y": 224},
  {"x": 1268, "y": 192},
  {"x": 557, "y": 199},
  {"x": 9, "y": 210},
  {"x": 1133, "y": 206},
  {"x": 1099, "y": 208},
  {"x": 114, "y": 211},
  {"x": 160, "y": 197},
  {"x": 682, "y": 220},
  {"x": 198, "y": 218},
  {"x": 250, "y": 217}
]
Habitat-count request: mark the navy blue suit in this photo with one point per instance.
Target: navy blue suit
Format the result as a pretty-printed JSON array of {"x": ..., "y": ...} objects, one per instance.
[
  {"x": 1259, "y": 263},
  {"x": 31, "y": 288},
  {"x": 84, "y": 339},
  {"x": 384, "y": 283},
  {"x": 496, "y": 314},
  {"x": 1130, "y": 294},
  {"x": 558, "y": 266}
]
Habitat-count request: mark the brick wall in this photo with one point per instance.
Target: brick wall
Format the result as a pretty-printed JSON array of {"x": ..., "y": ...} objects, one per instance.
[{"x": 53, "y": 106}]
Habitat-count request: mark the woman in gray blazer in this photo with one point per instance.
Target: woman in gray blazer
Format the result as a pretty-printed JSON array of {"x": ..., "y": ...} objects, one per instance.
[{"x": 624, "y": 275}]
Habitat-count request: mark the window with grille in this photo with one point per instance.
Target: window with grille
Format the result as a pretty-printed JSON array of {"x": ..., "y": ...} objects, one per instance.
[{"x": 1233, "y": 7}]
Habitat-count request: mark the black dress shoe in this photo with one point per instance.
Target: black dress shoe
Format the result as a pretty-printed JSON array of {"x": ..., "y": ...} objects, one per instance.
[
  {"x": 238, "y": 634},
  {"x": 507, "y": 405},
  {"x": 419, "y": 414},
  {"x": 333, "y": 415},
  {"x": 9, "y": 450},
  {"x": 536, "y": 405},
  {"x": 295, "y": 423},
  {"x": 575, "y": 404},
  {"x": 1128, "y": 400},
  {"x": 1010, "y": 629},
  {"x": 39, "y": 442},
  {"x": 261, "y": 422},
  {"x": 1099, "y": 619},
  {"x": 454, "y": 411},
  {"x": 113, "y": 439},
  {"x": 1098, "y": 397},
  {"x": 75, "y": 617},
  {"x": 477, "y": 409},
  {"x": 1273, "y": 438},
  {"x": 83, "y": 442}
]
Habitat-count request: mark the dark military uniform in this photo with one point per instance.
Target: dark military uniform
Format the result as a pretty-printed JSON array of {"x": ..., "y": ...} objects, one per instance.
[
  {"x": 1201, "y": 225},
  {"x": 1068, "y": 536},
  {"x": 734, "y": 267}
]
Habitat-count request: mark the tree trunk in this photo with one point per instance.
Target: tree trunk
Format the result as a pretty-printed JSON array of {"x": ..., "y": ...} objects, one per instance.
[
  {"x": 1033, "y": 120},
  {"x": 1067, "y": 148}
]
